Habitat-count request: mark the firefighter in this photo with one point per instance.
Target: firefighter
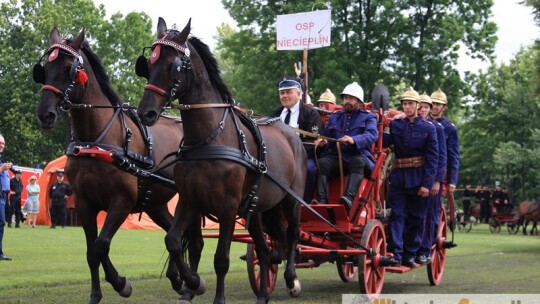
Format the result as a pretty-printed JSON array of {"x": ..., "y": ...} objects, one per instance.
[
  {"x": 327, "y": 105},
  {"x": 452, "y": 144},
  {"x": 434, "y": 204},
  {"x": 355, "y": 129},
  {"x": 413, "y": 173}
]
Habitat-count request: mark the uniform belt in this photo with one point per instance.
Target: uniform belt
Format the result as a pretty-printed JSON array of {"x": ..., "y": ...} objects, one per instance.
[{"x": 411, "y": 162}]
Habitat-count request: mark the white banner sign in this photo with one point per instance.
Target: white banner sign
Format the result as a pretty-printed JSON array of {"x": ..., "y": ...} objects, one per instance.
[{"x": 304, "y": 30}]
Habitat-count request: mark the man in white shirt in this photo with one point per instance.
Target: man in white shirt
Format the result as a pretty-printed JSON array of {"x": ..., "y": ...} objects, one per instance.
[{"x": 297, "y": 114}]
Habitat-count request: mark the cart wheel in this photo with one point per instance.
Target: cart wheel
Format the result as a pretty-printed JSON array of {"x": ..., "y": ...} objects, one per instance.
[
  {"x": 254, "y": 271},
  {"x": 435, "y": 269},
  {"x": 346, "y": 269},
  {"x": 513, "y": 228},
  {"x": 494, "y": 226},
  {"x": 371, "y": 275}
]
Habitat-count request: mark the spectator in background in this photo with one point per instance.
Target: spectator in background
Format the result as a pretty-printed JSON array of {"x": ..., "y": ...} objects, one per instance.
[
  {"x": 58, "y": 194},
  {"x": 508, "y": 206},
  {"x": 498, "y": 198},
  {"x": 485, "y": 209},
  {"x": 15, "y": 191},
  {"x": 4, "y": 184},
  {"x": 468, "y": 194},
  {"x": 32, "y": 202}
]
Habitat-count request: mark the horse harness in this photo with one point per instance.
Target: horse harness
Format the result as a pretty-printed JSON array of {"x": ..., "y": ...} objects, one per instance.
[
  {"x": 122, "y": 157},
  {"x": 203, "y": 151}
]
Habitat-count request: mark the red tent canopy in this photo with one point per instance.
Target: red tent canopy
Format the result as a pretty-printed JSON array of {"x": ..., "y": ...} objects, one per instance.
[{"x": 46, "y": 180}]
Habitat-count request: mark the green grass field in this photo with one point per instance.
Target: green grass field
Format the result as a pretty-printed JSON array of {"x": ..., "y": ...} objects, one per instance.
[{"x": 49, "y": 266}]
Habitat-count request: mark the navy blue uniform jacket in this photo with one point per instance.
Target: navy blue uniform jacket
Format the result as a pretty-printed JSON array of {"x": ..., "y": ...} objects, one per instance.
[
  {"x": 412, "y": 139},
  {"x": 361, "y": 125},
  {"x": 452, "y": 146}
]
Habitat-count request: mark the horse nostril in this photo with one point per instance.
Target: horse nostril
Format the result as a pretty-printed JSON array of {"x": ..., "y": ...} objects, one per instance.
[
  {"x": 149, "y": 118},
  {"x": 47, "y": 120}
]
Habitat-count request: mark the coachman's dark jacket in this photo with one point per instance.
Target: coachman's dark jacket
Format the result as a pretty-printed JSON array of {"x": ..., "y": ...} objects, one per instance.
[{"x": 308, "y": 120}]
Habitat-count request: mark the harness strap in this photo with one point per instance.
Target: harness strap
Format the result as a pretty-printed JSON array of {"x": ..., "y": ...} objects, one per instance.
[
  {"x": 223, "y": 153},
  {"x": 156, "y": 89},
  {"x": 228, "y": 153},
  {"x": 142, "y": 160},
  {"x": 52, "y": 89},
  {"x": 186, "y": 107},
  {"x": 211, "y": 137}
]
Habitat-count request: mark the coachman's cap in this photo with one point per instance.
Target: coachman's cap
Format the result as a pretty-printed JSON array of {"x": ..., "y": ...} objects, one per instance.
[
  {"x": 289, "y": 83},
  {"x": 60, "y": 172},
  {"x": 17, "y": 171}
]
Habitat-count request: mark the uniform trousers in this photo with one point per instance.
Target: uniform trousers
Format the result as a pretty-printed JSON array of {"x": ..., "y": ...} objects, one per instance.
[
  {"x": 3, "y": 198},
  {"x": 406, "y": 221},
  {"x": 431, "y": 227},
  {"x": 58, "y": 215},
  {"x": 15, "y": 209}
]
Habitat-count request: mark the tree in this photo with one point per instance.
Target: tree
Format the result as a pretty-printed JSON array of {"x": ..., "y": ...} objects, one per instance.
[
  {"x": 24, "y": 37},
  {"x": 499, "y": 132},
  {"x": 393, "y": 42}
]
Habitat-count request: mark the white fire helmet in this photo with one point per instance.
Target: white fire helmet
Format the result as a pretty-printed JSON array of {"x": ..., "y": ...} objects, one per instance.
[{"x": 355, "y": 90}]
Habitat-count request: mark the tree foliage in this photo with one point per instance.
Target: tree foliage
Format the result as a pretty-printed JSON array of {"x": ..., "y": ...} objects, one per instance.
[
  {"x": 500, "y": 136},
  {"x": 24, "y": 36},
  {"x": 393, "y": 42}
]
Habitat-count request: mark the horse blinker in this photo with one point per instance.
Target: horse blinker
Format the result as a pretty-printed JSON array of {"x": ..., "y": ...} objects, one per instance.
[
  {"x": 38, "y": 73},
  {"x": 141, "y": 67}
]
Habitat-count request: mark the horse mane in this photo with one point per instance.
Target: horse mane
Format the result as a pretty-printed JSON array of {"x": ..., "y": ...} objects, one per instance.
[
  {"x": 101, "y": 75},
  {"x": 212, "y": 67}
]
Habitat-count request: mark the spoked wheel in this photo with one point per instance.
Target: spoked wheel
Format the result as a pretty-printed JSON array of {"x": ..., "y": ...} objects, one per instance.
[
  {"x": 371, "y": 275},
  {"x": 494, "y": 226},
  {"x": 346, "y": 269},
  {"x": 435, "y": 269},
  {"x": 254, "y": 271},
  {"x": 513, "y": 228}
]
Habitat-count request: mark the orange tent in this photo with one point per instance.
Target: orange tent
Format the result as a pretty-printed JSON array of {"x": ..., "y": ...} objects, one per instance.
[{"x": 46, "y": 180}]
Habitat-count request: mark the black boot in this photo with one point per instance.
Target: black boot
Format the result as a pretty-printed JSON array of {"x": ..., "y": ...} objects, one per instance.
[
  {"x": 352, "y": 187},
  {"x": 322, "y": 190}
]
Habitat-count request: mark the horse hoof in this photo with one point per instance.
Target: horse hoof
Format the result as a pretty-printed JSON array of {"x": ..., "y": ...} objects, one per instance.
[
  {"x": 202, "y": 287},
  {"x": 199, "y": 291},
  {"x": 296, "y": 290},
  {"x": 183, "y": 302},
  {"x": 126, "y": 291}
]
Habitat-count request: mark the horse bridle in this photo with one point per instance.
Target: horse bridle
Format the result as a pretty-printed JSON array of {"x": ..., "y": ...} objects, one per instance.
[
  {"x": 77, "y": 73},
  {"x": 181, "y": 65}
]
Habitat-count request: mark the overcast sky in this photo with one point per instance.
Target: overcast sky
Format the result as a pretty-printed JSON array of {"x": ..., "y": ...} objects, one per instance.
[{"x": 515, "y": 22}]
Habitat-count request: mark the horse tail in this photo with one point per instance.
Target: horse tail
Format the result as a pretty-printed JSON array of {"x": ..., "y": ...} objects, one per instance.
[{"x": 274, "y": 226}]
